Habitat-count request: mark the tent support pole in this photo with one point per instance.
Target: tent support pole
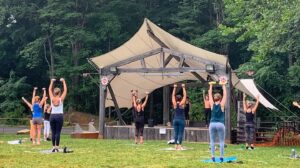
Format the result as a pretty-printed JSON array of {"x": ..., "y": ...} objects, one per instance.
[
  {"x": 166, "y": 104},
  {"x": 228, "y": 109},
  {"x": 102, "y": 90},
  {"x": 116, "y": 104}
]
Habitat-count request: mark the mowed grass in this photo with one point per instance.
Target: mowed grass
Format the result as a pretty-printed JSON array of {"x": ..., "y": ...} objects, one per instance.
[{"x": 125, "y": 154}]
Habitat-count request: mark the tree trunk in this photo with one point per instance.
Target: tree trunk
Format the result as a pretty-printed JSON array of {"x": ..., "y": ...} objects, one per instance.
[{"x": 51, "y": 57}]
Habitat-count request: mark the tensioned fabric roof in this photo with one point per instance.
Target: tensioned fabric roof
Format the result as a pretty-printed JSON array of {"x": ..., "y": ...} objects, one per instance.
[{"x": 143, "y": 42}]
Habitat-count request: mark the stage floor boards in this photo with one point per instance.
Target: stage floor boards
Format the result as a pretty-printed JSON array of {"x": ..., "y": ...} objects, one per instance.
[{"x": 191, "y": 134}]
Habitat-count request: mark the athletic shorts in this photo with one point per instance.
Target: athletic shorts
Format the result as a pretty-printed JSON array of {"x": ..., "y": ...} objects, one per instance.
[{"x": 37, "y": 121}]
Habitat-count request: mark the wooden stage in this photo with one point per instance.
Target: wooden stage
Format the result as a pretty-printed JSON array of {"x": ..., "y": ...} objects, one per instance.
[{"x": 191, "y": 134}]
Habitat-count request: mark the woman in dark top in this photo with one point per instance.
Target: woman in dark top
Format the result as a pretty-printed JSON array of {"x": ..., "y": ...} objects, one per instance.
[
  {"x": 249, "y": 109},
  {"x": 47, "y": 112},
  {"x": 139, "y": 117},
  {"x": 179, "y": 103},
  {"x": 217, "y": 121}
]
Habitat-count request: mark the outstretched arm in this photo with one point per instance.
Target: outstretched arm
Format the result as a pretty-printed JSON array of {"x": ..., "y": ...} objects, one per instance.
[
  {"x": 50, "y": 90},
  {"x": 173, "y": 96},
  {"x": 146, "y": 99},
  {"x": 244, "y": 102},
  {"x": 33, "y": 95},
  {"x": 44, "y": 97},
  {"x": 133, "y": 100},
  {"x": 210, "y": 97},
  {"x": 224, "y": 99},
  {"x": 63, "y": 95},
  {"x": 183, "y": 101},
  {"x": 256, "y": 104},
  {"x": 27, "y": 103}
]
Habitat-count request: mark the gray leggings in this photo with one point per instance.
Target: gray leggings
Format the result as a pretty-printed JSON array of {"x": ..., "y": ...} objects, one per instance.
[
  {"x": 217, "y": 128},
  {"x": 249, "y": 128}
]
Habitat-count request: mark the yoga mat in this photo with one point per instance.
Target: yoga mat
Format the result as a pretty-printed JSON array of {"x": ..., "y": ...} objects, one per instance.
[{"x": 217, "y": 160}]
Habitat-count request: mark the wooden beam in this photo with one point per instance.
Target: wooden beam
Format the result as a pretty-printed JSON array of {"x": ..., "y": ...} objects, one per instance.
[
  {"x": 228, "y": 109},
  {"x": 192, "y": 57},
  {"x": 143, "y": 64},
  {"x": 159, "y": 70},
  {"x": 133, "y": 59},
  {"x": 181, "y": 62},
  {"x": 162, "y": 59},
  {"x": 113, "y": 97},
  {"x": 166, "y": 104},
  {"x": 168, "y": 60},
  {"x": 154, "y": 37}
]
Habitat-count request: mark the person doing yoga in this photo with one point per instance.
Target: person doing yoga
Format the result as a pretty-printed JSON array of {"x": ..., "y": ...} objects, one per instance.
[
  {"x": 179, "y": 103},
  {"x": 139, "y": 117},
  {"x": 217, "y": 121},
  {"x": 249, "y": 109},
  {"x": 57, "y": 109}
]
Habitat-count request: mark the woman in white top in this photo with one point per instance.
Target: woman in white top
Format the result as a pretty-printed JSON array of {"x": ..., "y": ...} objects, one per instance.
[{"x": 56, "y": 117}]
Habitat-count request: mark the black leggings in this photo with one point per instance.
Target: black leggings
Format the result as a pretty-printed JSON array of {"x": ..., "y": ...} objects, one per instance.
[
  {"x": 139, "y": 126},
  {"x": 56, "y": 123},
  {"x": 207, "y": 115}
]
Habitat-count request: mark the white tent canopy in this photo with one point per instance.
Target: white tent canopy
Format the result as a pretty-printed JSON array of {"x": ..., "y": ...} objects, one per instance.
[{"x": 145, "y": 48}]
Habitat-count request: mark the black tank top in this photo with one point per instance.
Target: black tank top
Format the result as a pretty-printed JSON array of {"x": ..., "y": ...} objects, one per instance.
[
  {"x": 139, "y": 114},
  {"x": 249, "y": 117},
  {"x": 46, "y": 116}
]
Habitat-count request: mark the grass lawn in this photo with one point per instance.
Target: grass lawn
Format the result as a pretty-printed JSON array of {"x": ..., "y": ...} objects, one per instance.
[{"x": 123, "y": 153}]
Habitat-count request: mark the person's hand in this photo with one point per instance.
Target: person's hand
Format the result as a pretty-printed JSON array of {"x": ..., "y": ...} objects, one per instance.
[
  {"x": 53, "y": 80},
  {"x": 35, "y": 88},
  {"x": 23, "y": 98},
  {"x": 147, "y": 93},
  {"x": 203, "y": 91},
  {"x": 223, "y": 80},
  {"x": 175, "y": 85},
  {"x": 44, "y": 89},
  {"x": 46, "y": 97},
  {"x": 244, "y": 95},
  {"x": 295, "y": 103},
  {"x": 183, "y": 85},
  {"x": 62, "y": 79}
]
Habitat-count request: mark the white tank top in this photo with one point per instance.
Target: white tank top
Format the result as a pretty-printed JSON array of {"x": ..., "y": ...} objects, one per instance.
[{"x": 57, "y": 109}]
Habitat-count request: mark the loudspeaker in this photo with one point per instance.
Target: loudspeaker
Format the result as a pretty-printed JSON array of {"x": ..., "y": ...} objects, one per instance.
[{"x": 150, "y": 122}]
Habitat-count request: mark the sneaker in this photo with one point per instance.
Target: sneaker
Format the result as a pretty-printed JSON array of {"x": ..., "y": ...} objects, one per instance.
[
  {"x": 221, "y": 159},
  {"x": 53, "y": 149},
  {"x": 48, "y": 139},
  {"x": 213, "y": 159},
  {"x": 247, "y": 147},
  {"x": 252, "y": 148}
]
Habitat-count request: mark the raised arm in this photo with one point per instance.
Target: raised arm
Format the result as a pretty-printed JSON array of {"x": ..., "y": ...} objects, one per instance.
[
  {"x": 50, "y": 90},
  {"x": 146, "y": 99},
  {"x": 296, "y": 104},
  {"x": 27, "y": 103},
  {"x": 256, "y": 104},
  {"x": 133, "y": 100},
  {"x": 210, "y": 96},
  {"x": 244, "y": 102},
  {"x": 173, "y": 96},
  {"x": 33, "y": 95},
  {"x": 224, "y": 99},
  {"x": 183, "y": 101},
  {"x": 44, "y": 98},
  {"x": 63, "y": 95}
]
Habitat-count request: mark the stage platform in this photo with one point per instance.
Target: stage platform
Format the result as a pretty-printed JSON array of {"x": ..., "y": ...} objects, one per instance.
[{"x": 191, "y": 134}]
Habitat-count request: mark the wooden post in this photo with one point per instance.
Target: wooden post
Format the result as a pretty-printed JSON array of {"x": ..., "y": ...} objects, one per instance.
[
  {"x": 227, "y": 110},
  {"x": 102, "y": 89},
  {"x": 166, "y": 104}
]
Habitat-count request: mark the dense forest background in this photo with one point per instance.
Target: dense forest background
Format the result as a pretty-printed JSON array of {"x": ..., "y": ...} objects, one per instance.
[{"x": 40, "y": 39}]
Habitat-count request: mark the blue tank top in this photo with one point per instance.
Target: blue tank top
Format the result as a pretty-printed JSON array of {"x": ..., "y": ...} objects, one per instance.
[
  {"x": 37, "y": 111},
  {"x": 179, "y": 112},
  {"x": 217, "y": 115}
]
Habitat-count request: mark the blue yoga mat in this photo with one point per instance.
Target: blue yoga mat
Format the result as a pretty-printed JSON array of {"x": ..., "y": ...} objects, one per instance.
[{"x": 217, "y": 160}]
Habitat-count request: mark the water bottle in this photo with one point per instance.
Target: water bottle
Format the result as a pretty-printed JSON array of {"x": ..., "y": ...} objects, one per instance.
[{"x": 293, "y": 155}]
